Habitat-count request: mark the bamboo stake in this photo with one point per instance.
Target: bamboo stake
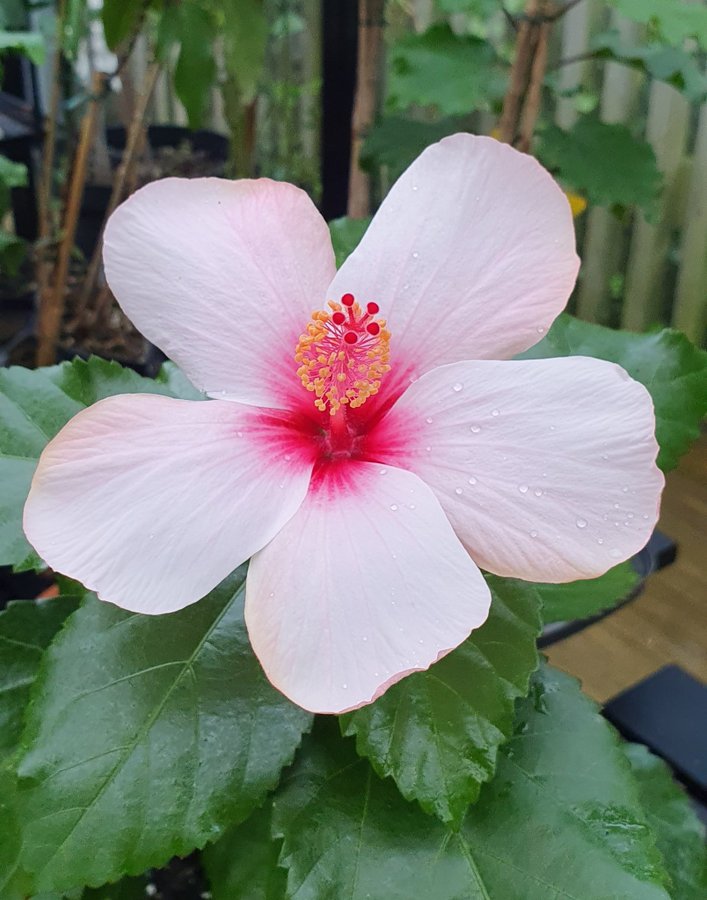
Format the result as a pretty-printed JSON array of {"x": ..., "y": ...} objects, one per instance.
[
  {"x": 52, "y": 306},
  {"x": 132, "y": 145},
  {"x": 370, "y": 47}
]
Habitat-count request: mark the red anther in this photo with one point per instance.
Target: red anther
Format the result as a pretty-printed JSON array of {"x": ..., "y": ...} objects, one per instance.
[
  {"x": 348, "y": 299},
  {"x": 372, "y": 309},
  {"x": 350, "y": 337},
  {"x": 338, "y": 318},
  {"x": 373, "y": 327}
]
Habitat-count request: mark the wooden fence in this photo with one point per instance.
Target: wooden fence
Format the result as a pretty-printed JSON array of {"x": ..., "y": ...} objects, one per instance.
[{"x": 639, "y": 274}]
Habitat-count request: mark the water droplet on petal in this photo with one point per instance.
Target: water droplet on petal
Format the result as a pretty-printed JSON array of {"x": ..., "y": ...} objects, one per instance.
[
  {"x": 495, "y": 412},
  {"x": 644, "y": 516},
  {"x": 458, "y": 387},
  {"x": 288, "y": 457},
  {"x": 629, "y": 515},
  {"x": 625, "y": 490},
  {"x": 411, "y": 506},
  {"x": 605, "y": 456},
  {"x": 364, "y": 638},
  {"x": 538, "y": 492},
  {"x": 415, "y": 187},
  {"x": 476, "y": 429},
  {"x": 523, "y": 488},
  {"x": 393, "y": 506},
  {"x": 616, "y": 505},
  {"x": 344, "y": 686},
  {"x": 458, "y": 491},
  {"x": 428, "y": 449},
  {"x": 581, "y": 523},
  {"x": 552, "y": 428},
  {"x": 541, "y": 330},
  {"x": 472, "y": 480},
  {"x": 382, "y": 471},
  {"x": 533, "y": 534},
  {"x": 429, "y": 420},
  {"x": 416, "y": 255},
  {"x": 239, "y": 433},
  {"x": 600, "y": 540}
]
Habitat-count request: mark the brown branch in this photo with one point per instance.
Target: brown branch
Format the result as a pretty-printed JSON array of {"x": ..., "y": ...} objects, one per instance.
[
  {"x": 533, "y": 96},
  {"x": 370, "y": 48},
  {"x": 525, "y": 43},
  {"x": 132, "y": 146},
  {"x": 52, "y": 305}
]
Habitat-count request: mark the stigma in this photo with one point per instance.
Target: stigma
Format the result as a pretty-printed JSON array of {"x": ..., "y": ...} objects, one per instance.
[{"x": 343, "y": 354}]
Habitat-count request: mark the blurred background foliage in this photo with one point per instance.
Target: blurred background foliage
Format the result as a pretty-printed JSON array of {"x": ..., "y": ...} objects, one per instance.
[{"x": 610, "y": 96}]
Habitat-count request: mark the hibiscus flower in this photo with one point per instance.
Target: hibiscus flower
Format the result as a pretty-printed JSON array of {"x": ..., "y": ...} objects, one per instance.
[{"x": 370, "y": 456}]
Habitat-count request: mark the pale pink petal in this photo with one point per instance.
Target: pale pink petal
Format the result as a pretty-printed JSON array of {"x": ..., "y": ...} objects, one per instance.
[
  {"x": 546, "y": 468},
  {"x": 366, "y": 583},
  {"x": 223, "y": 276},
  {"x": 471, "y": 255},
  {"x": 151, "y": 501}
]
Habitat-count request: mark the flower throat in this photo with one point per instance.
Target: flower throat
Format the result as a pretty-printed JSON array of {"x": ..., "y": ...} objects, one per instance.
[{"x": 343, "y": 354}]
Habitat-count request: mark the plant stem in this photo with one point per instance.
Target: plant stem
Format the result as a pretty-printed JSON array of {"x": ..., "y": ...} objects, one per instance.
[
  {"x": 132, "y": 144},
  {"x": 52, "y": 305},
  {"x": 533, "y": 96},
  {"x": 370, "y": 46}
]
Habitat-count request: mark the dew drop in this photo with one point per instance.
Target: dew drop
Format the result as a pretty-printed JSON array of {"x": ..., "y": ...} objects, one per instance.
[
  {"x": 605, "y": 456},
  {"x": 472, "y": 480},
  {"x": 616, "y": 505},
  {"x": 625, "y": 490},
  {"x": 415, "y": 187},
  {"x": 581, "y": 523},
  {"x": 288, "y": 457},
  {"x": 420, "y": 641},
  {"x": 523, "y": 488},
  {"x": 538, "y": 492},
  {"x": 239, "y": 433},
  {"x": 533, "y": 534},
  {"x": 541, "y": 330},
  {"x": 382, "y": 471},
  {"x": 458, "y": 491},
  {"x": 428, "y": 449},
  {"x": 364, "y": 639},
  {"x": 411, "y": 506},
  {"x": 600, "y": 540},
  {"x": 429, "y": 420},
  {"x": 344, "y": 686},
  {"x": 416, "y": 255},
  {"x": 476, "y": 429},
  {"x": 394, "y": 506},
  {"x": 458, "y": 387},
  {"x": 629, "y": 515},
  {"x": 644, "y": 516},
  {"x": 495, "y": 412},
  {"x": 552, "y": 428}
]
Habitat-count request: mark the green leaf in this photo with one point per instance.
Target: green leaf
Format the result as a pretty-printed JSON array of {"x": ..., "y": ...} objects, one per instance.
[
  {"x": 125, "y": 889},
  {"x": 680, "y": 835},
  {"x": 34, "y": 406},
  {"x": 560, "y": 819},
  {"x": 12, "y": 252},
  {"x": 672, "y": 20},
  {"x": 581, "y": 599},
  {"x": 672, "y": 369},
  {"x": 147, "y": 737},
  {"x": 453, "y": 74},
  {"x": 346, "y": 235},
  {"x": 30, "y": 43},
  {"x": 195, "y": 72},
  {"x": 670, "y": 64},
  {"x": 14, "y": 883},
  {"x": 12, "y": 174},
  {"x": 396, "y": 141},
  {"x": 26, "y": 630},
  {"x": 243, "y": 863},
  {"x": 604, "y": 162},
  {"x": 121, "y": 19},
  {"x": 245, "y": 38},
  {"x": 437, "y": 733}
]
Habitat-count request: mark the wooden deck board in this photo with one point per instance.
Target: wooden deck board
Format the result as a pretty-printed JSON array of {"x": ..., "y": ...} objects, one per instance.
[{"x": 668, "y": 623}]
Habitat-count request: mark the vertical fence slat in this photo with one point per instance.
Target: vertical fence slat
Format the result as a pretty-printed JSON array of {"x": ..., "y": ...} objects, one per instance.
[
  {"x": 576, "y": 35},
  {"x": 690, "y": 309},
  {"x": 667, "y": 129},
  {"x": 604, "y": 249}
]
